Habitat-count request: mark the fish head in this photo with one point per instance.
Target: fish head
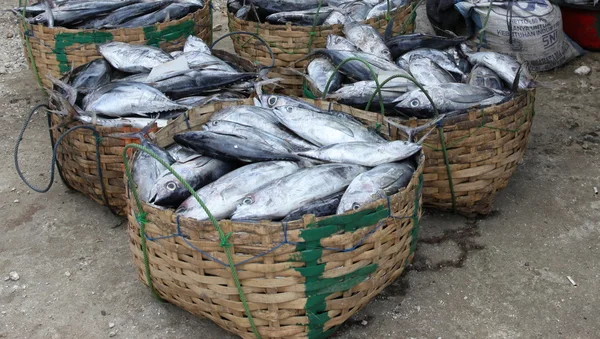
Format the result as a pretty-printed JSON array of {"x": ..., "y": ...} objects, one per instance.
[
  {"x": 168, "y": 191},
  {"x": 414, "y": 102},
  {"x": 248, "y": 208},
  {"x": 360, "y": 193},
  {"x": 191, "y": 209},
  {"x": 270, "y": 101}
]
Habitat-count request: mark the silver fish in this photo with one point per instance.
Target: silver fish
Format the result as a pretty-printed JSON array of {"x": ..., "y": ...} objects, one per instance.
[
  {"x": 443, "y": 59},
  {"x": 485, "y": 77},
  {"x": 117, "y": 17},
  {"x": 318, "y": 208},
  {"x": 321, "y": 71},
  {"x": 357, "y": 70},
  {"x": 73, "y": 12},
  {"x": 222, "y": 196},
  {"x": 197, "y": 172},
  {"x": 260, "y": 118},
  {"x": 505, "y": 66},
  {"x": 93, "y": 75},
  {"x": 250, "y": 147},
  {"x": 381, "y": 8},
  {"x": 274, "y": 201},
  {"x": 368, "y": 154},
  {"x": 375, "y": 184},
  {"x": 359, "y": 93},
  {"x": 133, "y": 58},
  {"x": 274, "y": 100},
  {"x": 193, "y": 43},
  {"x": 309, "y": 17},
  {"x": 323, "y": 129},
  {"x": 202, "y": 60},
  {"x": 447, "y": 98},
  {"x": 339, "y": 43},
  {"x": 174, "y": 11},
  {"x": 202, "y": 82},
  {"x": 123, "y": 98},
  {"x": 356, "y": 10},
  {"x": 367, "y": 39},
  {"x": 335, "y": 18},
  {"x": 427, "y": 72}
]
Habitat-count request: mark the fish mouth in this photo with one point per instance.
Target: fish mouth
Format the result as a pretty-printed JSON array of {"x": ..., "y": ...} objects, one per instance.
[{"x": 153, "y": 198}]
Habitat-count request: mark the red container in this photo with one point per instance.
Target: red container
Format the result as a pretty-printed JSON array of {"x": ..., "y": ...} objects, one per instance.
[{"x": 582, "y": 24}]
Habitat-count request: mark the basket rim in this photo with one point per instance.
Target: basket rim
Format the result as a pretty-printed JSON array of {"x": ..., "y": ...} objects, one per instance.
[{"x": 59, "y": 29}]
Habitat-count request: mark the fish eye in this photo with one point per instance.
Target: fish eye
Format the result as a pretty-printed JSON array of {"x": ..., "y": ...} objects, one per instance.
[
  {"x": 247, "y": 201},
  {"x": 171, "y": 186},
  {"x": 338, "y": 39},
  {"x": 289, "y": 109},
  {"x": 272, "y": 101},
  {"x": 415, "y": 102},
  {"x": 355, "y": 206},
  {"x": 215, "y": 123}
]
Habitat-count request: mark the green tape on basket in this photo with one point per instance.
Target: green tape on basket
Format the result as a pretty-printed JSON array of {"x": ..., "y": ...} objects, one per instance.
[
  {"x": 317, "y": 288},
  {"x": 154, "y": 36},
  {"x": 64, "y": 40}
]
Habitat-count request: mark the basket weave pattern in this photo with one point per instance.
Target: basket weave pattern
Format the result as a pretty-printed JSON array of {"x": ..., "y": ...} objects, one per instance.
[
  {"x": 291, "y": 43},
  {"x": 484, "y": 147},
  {"x": 301, "y": 279},
  {"x": 58, "y": 50},
  {"x": 77, "y": 161}
]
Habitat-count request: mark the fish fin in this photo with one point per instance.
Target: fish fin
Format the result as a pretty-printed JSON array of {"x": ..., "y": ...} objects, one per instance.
[
  {"x": 258, "y": 85},
  {"x": 515, "y": 85},
  {"x": 71, "y": 91},
  {"x": 389, "y": 31},
  {"x": 411, "y": 132},
  {"x": 308, "y": 162},
  {"x": 141, "y": 134},
  {"x": 71, "y": 114}
]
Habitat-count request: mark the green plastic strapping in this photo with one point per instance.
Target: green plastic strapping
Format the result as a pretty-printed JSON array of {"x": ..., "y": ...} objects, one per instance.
[
  {"x": 414, "y": 233},
  {"x": 28, "y": 46},
  {"x": 64, "y": 40},
  {"x": 224, "y": 238}
]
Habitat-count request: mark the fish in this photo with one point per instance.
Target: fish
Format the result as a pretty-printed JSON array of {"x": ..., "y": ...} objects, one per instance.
[
  {"x": 76, "y": 11},
  {"x": 309, "y": 17},
  {"x": 274, "y": 201},
  {"x": 222, "y": 196},
  {"x": 381, "y": 8},
  {"x": 195, "y": 83},
  {"x": 180, "y": 153},
  {"x": 322, "y": 72},
  {"x": 207, "y": 61},
  {"x": 133, "y": 58},
  {"x": 428, "y": 73},
  {"x": 485, "y": 77},
  {"x": 323, "y": 129},
  {"x": 369, "y": 154},
  {"x": 195, "y": 44},
  {"x": 276, "y": 6},
  {"x": 441, "y": 58},
  {"x": 447, "y": 98},
  {"x": 95, "y": 74},
  {"x": 117, "y": 17},
  {"x": 357, "y": 70},
  {"x": 357, "y": 11},
  {"x": 146, "y": 169},
  {"x": 174, "y": 11},
  {"x": 263, "y": 119},
  {"x": 359, "y": 93},
  {"x": 374, "y": 184},
  {"x": 124, "y": 98},
  {"x": 274, "y": 101},
  {"x": 405, "y": 43},
  {"x": 319, "y": 208},
  {"x": 505, "y": 66},
  {"x": 245, "y": 148},
  {"x": 335, "y": 18},
  {"x": 340, "y": 43},
  {"x": 367, "y": 39},
  {"x": 138, "y": 77},
  {"x": 168, "y": 191}
]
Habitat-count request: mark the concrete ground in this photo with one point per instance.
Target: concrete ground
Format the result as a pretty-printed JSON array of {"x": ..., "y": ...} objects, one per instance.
[{"x": 504, "y": 276}]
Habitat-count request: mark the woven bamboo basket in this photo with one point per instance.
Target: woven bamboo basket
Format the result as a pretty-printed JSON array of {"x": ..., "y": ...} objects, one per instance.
[
  {"x": 301, "y": 279},
  {"x": 483, "y": 148},
  {"x": 98, "y": 173},
  {"x": 56, "y": 51},
  {"x": 291, "y": 43}
]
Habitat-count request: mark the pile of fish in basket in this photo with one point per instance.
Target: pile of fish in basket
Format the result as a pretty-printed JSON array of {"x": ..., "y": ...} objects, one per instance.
[
  {"x": 295, "y": 28},
  {"x": 276, "y": 216},
  {"x": 131, "y": 87},
  {"x": 59, "y": 35}
]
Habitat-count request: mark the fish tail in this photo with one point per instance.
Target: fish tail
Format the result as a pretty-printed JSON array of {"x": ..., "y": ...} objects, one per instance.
[
  {"x": 140, "y": 135},
  {"x": 71, "y": 92}
]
